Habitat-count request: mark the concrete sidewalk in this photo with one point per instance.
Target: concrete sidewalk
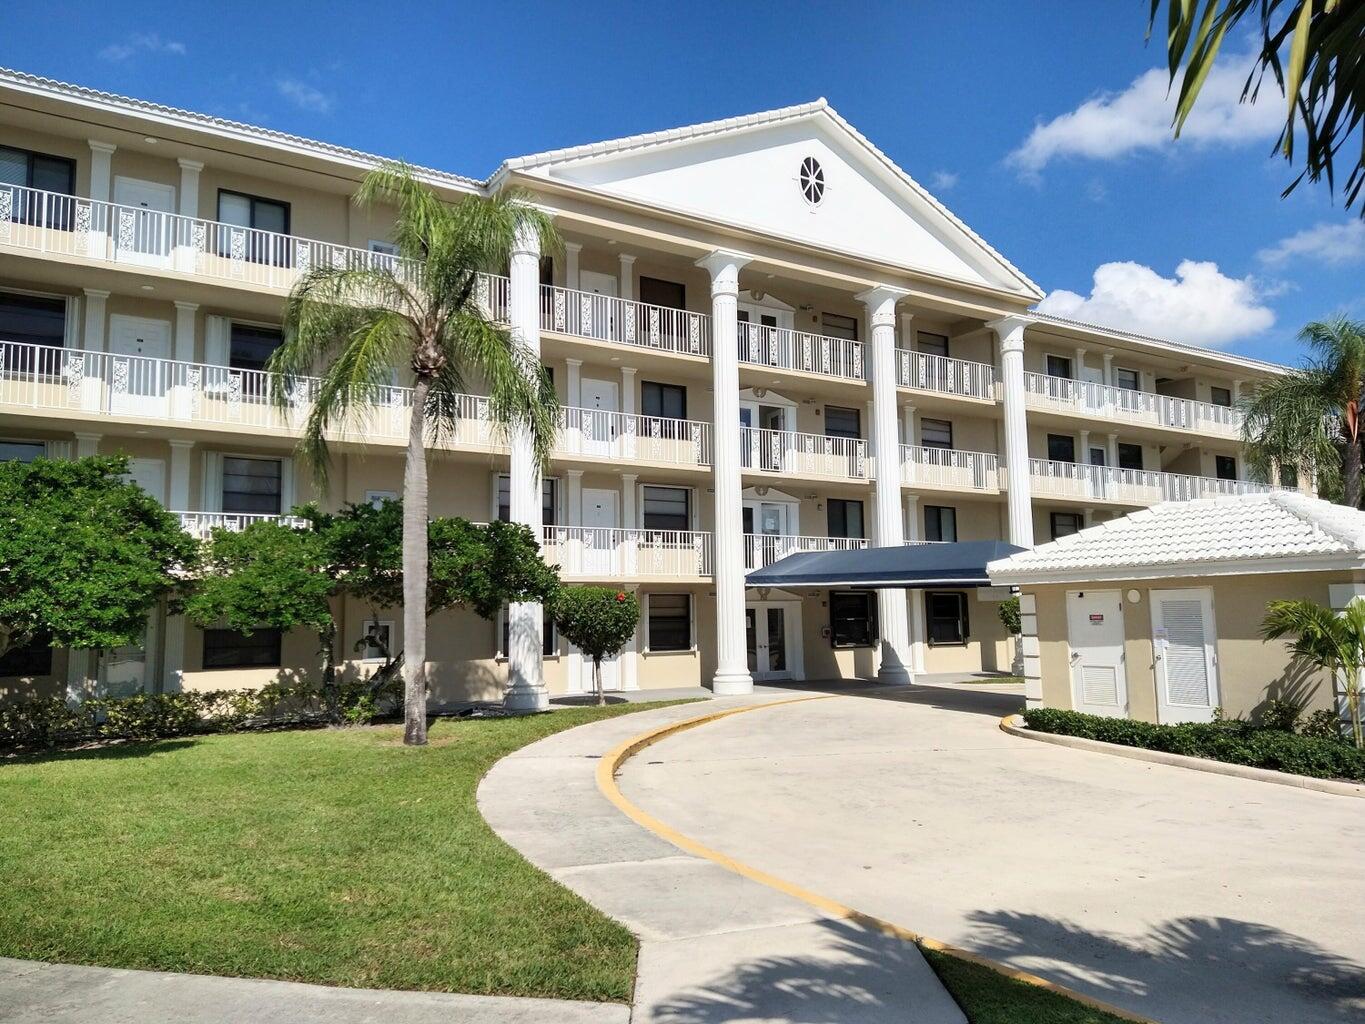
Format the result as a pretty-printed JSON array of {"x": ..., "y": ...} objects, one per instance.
[
  {"x": 36, "y": 993},
  {"x": 715, "y": 947}
]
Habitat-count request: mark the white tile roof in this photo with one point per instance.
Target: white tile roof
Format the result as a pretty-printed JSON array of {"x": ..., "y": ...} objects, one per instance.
[{"x": 1253, "y": 533}]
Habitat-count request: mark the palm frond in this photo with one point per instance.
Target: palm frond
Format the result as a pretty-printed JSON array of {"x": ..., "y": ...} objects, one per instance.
[{"x": 1289, "y": 421}]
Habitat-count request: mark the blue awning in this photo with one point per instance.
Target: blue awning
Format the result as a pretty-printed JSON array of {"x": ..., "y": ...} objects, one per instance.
[{"x": 913, "y": 567}]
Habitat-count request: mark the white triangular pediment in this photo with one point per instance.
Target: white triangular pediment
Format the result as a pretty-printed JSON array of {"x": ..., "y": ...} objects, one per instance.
[{"x": 751, "y": 178}]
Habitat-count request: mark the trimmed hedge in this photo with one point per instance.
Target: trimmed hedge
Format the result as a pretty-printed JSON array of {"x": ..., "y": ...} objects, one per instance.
[{"x": 1234, "y": 742}]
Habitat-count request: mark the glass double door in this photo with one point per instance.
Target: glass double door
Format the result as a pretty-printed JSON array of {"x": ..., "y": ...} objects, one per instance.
[{"x": 765, "y": 627}]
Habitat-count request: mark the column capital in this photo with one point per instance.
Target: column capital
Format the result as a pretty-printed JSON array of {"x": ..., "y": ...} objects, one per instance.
[
  {"x": 180, "y": 444},
  {"x": 629, "y": 477},
  {"x": 573, "y": 473},
  {"x": 195, "y": 166},
  {"x": 86, "y": 435},
  {"x": 526, "y": 240},
  {"x": 96, "y": 293},
  {"x": 1010, "y": 330},
  {"x": 570, "y": 361},
  {"x": 881, "y": 300},
  {"x": 574, "y": 247},
  {"x": 629, "y": 371},
  {"x": 1108, "y": 357},
  {"x": 626, "y": 258},
  {"x": 188, "y": 307},
  {"x": 97, "y": 146},
  {"x": 724, "y": 265}
]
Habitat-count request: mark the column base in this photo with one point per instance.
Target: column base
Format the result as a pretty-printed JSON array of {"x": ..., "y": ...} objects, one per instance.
[
  {"x": 732, "y": 684},
  {"x": 528, "y": 699},
  {"x": 894, "y": 675}
]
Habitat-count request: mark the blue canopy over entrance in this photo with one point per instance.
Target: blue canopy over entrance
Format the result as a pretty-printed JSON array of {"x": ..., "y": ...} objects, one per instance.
[{"x": 912, "y": 567}]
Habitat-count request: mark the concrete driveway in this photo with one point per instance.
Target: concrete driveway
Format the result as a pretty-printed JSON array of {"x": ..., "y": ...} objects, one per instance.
[{"x": 1190, "y": 898}]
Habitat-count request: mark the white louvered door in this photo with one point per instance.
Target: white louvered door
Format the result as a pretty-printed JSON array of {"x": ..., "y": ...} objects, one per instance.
[
  {"x": 1099, "y": 682},
  {"x": 1184, "y": 643}
]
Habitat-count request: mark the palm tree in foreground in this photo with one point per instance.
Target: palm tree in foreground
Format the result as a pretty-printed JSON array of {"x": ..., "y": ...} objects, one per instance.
[
  {"x": 1310, "y": 418},
  {"x": 354, "y": 325},
  {"x": 1325, "y": 638}
]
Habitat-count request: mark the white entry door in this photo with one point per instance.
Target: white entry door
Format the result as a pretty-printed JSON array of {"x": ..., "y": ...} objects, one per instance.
[
  {"x": 773, "y": 639},
  {"x": 139, "y": 378},
  {"x": 150, "y": 475},
  {"x": 602, "y": 399},
  {"x": 126, "y": 671},
  {"x": 1184, "y": 648},
  {"x": 144, "y": 228},
  {"x": 597, "y": 307},
  {"x": 1099, "y": 682},
  {"x": 600, "y": 535}
]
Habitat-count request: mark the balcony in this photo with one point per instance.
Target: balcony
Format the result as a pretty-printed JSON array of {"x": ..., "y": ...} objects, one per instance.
[
  {"x": 793, "y": 454},
  {"x": 98, "y": 384},
  {"x": 601, "y": 553},
  {"x": 201, "y": 525},
  {"x": 949, "y": 469},
  {"x": 940, "y": 375},
  {"x": 763, "y": 549},
  {"x": 137, "y": 238},
  {"x": 1121, "y": 405},
  {"x": 606, "y": 318},
  {"x": 784, "y": 349},
  {"x": 1076, "y": 482}
]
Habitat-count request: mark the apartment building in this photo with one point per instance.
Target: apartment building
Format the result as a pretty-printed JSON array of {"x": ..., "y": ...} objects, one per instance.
[{"x": 766, "y": 338}]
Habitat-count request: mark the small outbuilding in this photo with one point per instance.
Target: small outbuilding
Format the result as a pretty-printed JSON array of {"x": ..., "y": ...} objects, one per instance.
[{"x": 1157, "y": 615}]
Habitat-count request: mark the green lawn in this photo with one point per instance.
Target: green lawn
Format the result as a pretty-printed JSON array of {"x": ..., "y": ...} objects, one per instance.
[
  {"x": 293, "y": 855},
  {"x": 990, "y": 998}
]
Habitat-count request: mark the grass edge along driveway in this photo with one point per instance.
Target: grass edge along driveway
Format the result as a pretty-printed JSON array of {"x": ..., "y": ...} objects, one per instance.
[{"x": 333, "y": 856}]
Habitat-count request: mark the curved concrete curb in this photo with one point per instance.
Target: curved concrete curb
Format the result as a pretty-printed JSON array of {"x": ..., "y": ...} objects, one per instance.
[
  {"x": 611, "y": 764},
  {"x": 1014, "y": 725}
]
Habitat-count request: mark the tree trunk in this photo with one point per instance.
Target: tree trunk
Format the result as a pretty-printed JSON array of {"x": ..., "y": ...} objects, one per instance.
[
  {"x": 597, "y": 681},
  {"x": 415, "y": 572},
  {"x": 1351, "y": 472},
  {"x": 331, "y": 697}
]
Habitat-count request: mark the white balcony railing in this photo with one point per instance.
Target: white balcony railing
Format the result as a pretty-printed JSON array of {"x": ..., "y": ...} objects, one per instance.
[
  {"x": 763, "y": 549},
  {"x": 162, "y": 390},
  {"x": 1103, "y": 401},
  {"x": 595, "y": 552},
  {"x": 49, "y": 222},
  {"x": 796, "y": 350},
  {"x": 201, "y": 524},
  {"x": 1127, "y": 486},
  {"x": 607, "y": 318},
  {"x": 925, "y": 372},
  {"x": 949, "y": 468},
  {"x": 789, "y": 453}
]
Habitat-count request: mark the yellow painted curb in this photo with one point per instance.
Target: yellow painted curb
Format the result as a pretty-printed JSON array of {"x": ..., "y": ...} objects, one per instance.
[{"x": 610, "y": 765}]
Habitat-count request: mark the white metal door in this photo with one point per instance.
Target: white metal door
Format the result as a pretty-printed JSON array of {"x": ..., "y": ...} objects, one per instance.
[
  {"x": 600, "y": 424},
  {"x": 144, "y": 228},
  {"x": 1184, "y": 649},
  {"x": 773, "y": 640},
  {"x": 1099, "y": 682},
  {"x": 598, "y": 308},
  {"x": 139, "y": 371},
  {"x": 150, "y": 475},
  {"x": 600, "y": 535}
]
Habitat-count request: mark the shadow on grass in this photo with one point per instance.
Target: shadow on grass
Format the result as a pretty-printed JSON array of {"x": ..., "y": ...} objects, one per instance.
[{"x": 120, "y": 750}]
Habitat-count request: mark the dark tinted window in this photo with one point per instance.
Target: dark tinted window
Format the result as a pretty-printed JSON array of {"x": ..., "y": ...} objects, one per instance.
[
  {"x": 852, "y": 618},
  {"x": 669, "y": 294},
  {"x": 670, "y": 622},
  {"x": 547, "y": 633},
  {"x": 932, "y": 344},
  {"x": 947, "y": 615},
  {"x": 1064, "y": 524},
  {"x": 547, "y": 500},
  {"x": 1220, "y": 396},
  {"x": 252, "y": 346},
  {"x": 1127, "y": 379},
  {"x": 1061, "y": 448},
  {"x": 227, "y": 648},
  {"x": 935, "y": 433},
  {"x": 251, "y": 485},
  {"x": 666, "y": 508},
  {"x": 940, "y": 523},
  {"x": 32, "y": 659},
  {"x": 37, "y": 170},
  {"x": 32, "y": 319},
  {"x": 1130, "y": 456},
  {"x": 1225, "y": 466},
  {"x": 841, "y": 422},
  {"x": 836, "y": 326},
  {"x": 1058, "y": 366},
  {"x": 667, "y": 401},
  {"x": 845, "y": 517}
]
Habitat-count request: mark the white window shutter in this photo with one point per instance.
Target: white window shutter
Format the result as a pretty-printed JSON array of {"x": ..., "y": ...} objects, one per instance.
[
  {"x": 287, "y": 498},
  {"x": 71, "y": 328},
  {"x": 217, "y": 335},
  {"x": 1187, "y": 670},
  {"x": 57, "y": 449},
  {"x": 212, "y": 498}
]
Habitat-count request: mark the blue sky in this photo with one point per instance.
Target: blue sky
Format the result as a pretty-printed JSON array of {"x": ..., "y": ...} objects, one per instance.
[{"x": 1033, "y": 122}]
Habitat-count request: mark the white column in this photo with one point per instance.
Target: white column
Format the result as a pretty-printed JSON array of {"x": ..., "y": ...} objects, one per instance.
[
  {"x": 178, "y": 500},
  {"x": 1083, "y": 456},
  {"x": 573, "y": 385},
  {"x": 628, "y": 389},
  {"x": 1109, "y": 369},
  {"x": 1113, "y": 459},
  {"x": 907, "y": 336},
  {"x": 80, "y": 664},
  {"x": 182, "y": 400},
  {"x": 102, "y": 222},
  {"x": 188, "y": 206},
  {"x": 910, "y": 425},
  {"x": 732, "y": 666},
  {"x": 573, "y": 511},
  {"x": 917, "y": 635},
  {"x": 891, "y": 603},
  {"x": 1028, "y": 643},
  {"x": 95, "y": 318},
  {"x": 1339, "y": 595},
  {"x": 571, "y": 555},
  {"x": 571, "y": 251},
  {"x": 629, "y": 519},
  {"x": 1080, "y": 363},
  {"x": 627, "y": 277},
  {"x": 1010, "y": 331},
  {"x": 87, "y": 445},
  {"x": 1236, "y": 391},
  {"x": 1088, "y": 517},
  {"x": 525, "y": 670}
]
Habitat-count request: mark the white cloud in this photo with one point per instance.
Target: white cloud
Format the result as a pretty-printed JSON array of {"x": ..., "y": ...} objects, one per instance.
[
  {"x": 304, "y": 96},
  {"x": 942, "y": 181},
  {"x": 1333, "y": 244},
  {"x": 1200, "y": 305},
  {"x": 1116, "y": 124},
  {"x": 142, "y": 42}
]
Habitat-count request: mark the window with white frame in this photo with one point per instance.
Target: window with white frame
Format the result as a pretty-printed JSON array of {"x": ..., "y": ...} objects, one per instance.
[
  {"x": 947, "y": 619},
  {"x": 1064, "y": 524},
  {"x": 21, "y": 451},
  {"x": 549, "y": 638},
  {"x": 1129, "y": 380},
  {"x": 670, "y": 622},
  {"x": 1058, "y": 366},
  {"x": 666, "y": 508},
  {"x": 549, "y": 495},
  {"x": 377, "y": 498},
  {"x": 252, "y": 485},
  {"x": 932, "y": 344},
  {"x": 376, "y": 641},
  {"x": 935, "y": 433},
  {"x": 940, "y": 523}
]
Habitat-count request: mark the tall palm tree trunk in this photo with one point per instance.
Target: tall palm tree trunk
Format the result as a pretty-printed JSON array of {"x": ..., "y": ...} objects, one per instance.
[
  {"x": 415, "y": 571},
  {"x": 1350, "y": 475}
]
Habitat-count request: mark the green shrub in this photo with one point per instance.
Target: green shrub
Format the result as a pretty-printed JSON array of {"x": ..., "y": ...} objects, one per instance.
[
  {"x": 1233, "y": 742},
  {"x": 1282, "y": 715},
  {"x": 1323, "y": 724},
  {"x": 1008, "y": 610}
]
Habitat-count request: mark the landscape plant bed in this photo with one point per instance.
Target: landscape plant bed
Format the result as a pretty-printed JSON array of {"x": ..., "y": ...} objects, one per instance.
[
  {"x": 988, "y": 997},
  {"x": 334, "y": 856},
  {"x": 1231, "y": 742}
]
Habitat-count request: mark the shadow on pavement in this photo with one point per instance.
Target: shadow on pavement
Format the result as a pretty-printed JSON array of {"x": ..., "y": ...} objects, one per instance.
[{"x": 1189, "y": 970}]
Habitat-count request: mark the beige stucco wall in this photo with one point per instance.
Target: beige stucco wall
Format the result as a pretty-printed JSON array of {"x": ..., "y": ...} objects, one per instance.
[{"x": 1250, "y": 671}]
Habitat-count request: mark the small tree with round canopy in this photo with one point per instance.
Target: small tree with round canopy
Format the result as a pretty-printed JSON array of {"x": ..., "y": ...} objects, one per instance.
[{"x": 599, "y": 621}]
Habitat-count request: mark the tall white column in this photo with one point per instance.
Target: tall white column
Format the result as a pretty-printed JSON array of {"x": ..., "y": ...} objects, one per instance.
[
  {"x": 188, "y": 206},
  {"x": 910, "y": 425},
  {"x": 178, "y": 500},
  {"x": 629, "y": 516},
  {"x": 525, "y": 669},
  {"x": 95, "y": 319},
  {"x": 1010, "y": 331},
  {"x": 102, "y": 222},
  {"x": 80, "y": 664},
  {"x": 627, "y": 277},
  {"x": 917, "y": 634},
  {"x": 1109, "y": 369},
  {"x": 1114, "y": 451},
  {"x": 573, "y": 384},
  {"x": 1083, "y": 455},
  {"x": 1080, "y": 363},
  {"x": 891, "y": 603},
  {"x": 628, "y": 389},
  {"x": 571, "y": 251},
  {"x": 732, "y": 664}
]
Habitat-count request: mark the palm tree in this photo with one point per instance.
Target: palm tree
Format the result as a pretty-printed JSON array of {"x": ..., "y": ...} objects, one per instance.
[
  {"x": 353, "y": 325},
  {"x": 1325, "y": 638},
  {"x": 1310, "y": 418}
]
